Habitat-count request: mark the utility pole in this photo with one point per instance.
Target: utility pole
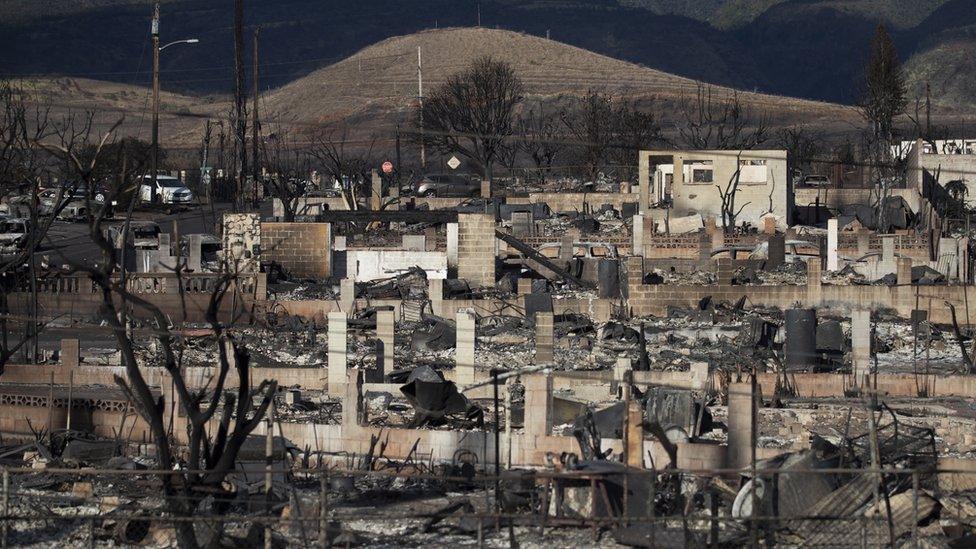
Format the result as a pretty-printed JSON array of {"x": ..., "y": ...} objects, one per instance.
[
  {"x": 420, "y": 96},
  {"x": 154, "y": 156},
  {"x": 240, "y": 100},
  {"x": 206, "y": 177},
  {"x": 479, "y": 14},
  {"x": 255, "y": 128},
  {"x": 928, "y": 111},
  {"x": 397, "y": 172}
]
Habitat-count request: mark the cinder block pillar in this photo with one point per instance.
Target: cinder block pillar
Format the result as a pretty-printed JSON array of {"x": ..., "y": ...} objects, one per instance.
[
  {"x": 543, "y": 338},
  {"x": 538, "y": 404},
  {"x": 860, "y": 344},
  {"x": 635, "y": 274},
  {"x": 194, "y": 260},
  {"x": 347, "y": 295},
  {"x": 638, "y": 240},
  {"x": 904, "y": 271},
  {"x": 385, "y": 327},
  {"x": 337, "y": 353},
  {"x": 704, "y": 246},
  {"x": 740, "y": 425},
  {"x": 635, "y": 435},
  {"x": 464, "y": 354},
  {"x": 352, "y": 400},
  {"x": 476, "y": 249},
  {"x": 718, "y": 235},
  {"x": 376, "y": 198},
  {"x": 522, "y": 224},
  {"x": 814, "y": 272},
  {"x": 566, "y": 247},
  {"x": 814, "y": 282},
  {"x": 724, "y": 271},
  {"x": 962, "y": 258},
  {"x": 524, "y": 286},
  {"x": 70, "y": 353},
  {"x": 435, "y": 292},
  {"x": 485, "y": 188},
  {"x": 645, "y": 180},
  {"x": 452, "y": 245},
  {"x": 832, "y": 262}
]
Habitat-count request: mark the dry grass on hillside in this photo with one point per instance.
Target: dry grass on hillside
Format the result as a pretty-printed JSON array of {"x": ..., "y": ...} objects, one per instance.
[
  {"x": 385, "y": 76},
  {"x": 378, "y": 86}
]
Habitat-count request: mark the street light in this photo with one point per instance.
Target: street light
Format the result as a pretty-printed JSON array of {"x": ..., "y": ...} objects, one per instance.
[
  {"x": 187, "y": 41},
  {"x": 155, "y": 93}
]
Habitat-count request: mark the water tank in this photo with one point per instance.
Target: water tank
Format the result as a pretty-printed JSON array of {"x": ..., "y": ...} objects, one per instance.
[{"x": 801, "y": 339}]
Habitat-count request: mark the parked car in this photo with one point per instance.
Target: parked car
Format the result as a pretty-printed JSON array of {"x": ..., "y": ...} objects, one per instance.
[
  {"x": 14, "y": 233},
  {"x": 70, "y": 203},
  {"x": 818, "y": 181},
  {"x": 443, "y": 185},
  {"x": 169, "y": 190}
]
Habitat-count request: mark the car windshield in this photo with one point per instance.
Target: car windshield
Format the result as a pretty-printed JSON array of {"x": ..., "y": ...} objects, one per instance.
[
  {"x": 12, "y": 227},
  {"x": 170, "y": 183}
]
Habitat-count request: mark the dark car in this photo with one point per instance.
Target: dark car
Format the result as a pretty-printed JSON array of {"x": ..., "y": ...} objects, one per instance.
[{"x": 447, "y": 185}]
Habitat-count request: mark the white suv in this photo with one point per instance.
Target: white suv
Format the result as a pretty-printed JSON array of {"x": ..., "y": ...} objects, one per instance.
[{"x": 169, "y": 190}]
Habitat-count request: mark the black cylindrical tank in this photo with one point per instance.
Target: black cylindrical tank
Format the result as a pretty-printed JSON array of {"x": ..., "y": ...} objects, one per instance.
[{"x": 801, "y": 339}]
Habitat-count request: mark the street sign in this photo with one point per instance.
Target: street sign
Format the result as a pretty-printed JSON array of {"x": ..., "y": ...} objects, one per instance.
[
  {"x": 387, "y": 167},
  {"x": 454, "y": 163}
]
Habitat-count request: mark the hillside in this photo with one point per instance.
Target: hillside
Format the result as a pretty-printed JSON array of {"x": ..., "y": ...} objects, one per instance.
[
  {"x": 181, "y": 116},
  {"x": 380, "y": 82},
  {"x": 801, "y": 48},
  {"x": 377, "y": 86}
]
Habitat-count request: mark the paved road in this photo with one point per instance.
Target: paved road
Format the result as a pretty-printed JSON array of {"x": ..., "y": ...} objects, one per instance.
[{"x": 69, "y": 242}]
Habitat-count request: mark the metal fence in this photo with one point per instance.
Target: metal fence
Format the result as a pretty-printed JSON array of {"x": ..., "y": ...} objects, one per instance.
[{"x": 403, "y": 505}]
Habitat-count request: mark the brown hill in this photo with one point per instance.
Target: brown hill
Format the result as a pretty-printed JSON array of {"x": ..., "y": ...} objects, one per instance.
[
  {"x": 377, "y": 87},
  {"x": 380, "y": 82},
  {"x": 181, "y": 117}
]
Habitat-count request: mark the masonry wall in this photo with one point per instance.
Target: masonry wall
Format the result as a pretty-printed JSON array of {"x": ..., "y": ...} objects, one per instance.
[
  {"x": 302, "y": 249},
  {"x": 755, "y": 199},
  {"x": 477, "y": 249},
  {"x": 560, "y": 202},
  {"x": 75, "y": 296},
  {"x": 950, "y": 167},
  {"x": 654, "y": 299},
  {"x": 835, "y": 198}
]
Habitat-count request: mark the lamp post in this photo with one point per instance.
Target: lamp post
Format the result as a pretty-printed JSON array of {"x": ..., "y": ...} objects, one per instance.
[{"x": 154, "y": 159}]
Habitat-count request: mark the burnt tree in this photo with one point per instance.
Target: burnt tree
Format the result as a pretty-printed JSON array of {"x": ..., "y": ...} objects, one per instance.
[{"x": 473, "y": 112}]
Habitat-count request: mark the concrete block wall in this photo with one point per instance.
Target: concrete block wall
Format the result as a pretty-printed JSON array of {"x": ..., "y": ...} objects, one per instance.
[
  {"x": 338, "y": 342},
  {"x": 740, "y": 424},
  {"x": 476, "y": 249},
  {"x": 385, "y": 327},
  {"x": 241, "y": 243},
  {"x": 464, "y": 352},
  {"x": 543, "y": 337},
  {"x": 302, "y": 249}
]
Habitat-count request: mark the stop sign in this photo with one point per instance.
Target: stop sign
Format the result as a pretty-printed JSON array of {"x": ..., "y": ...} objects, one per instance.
[{"x": 388, "y": 167}]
